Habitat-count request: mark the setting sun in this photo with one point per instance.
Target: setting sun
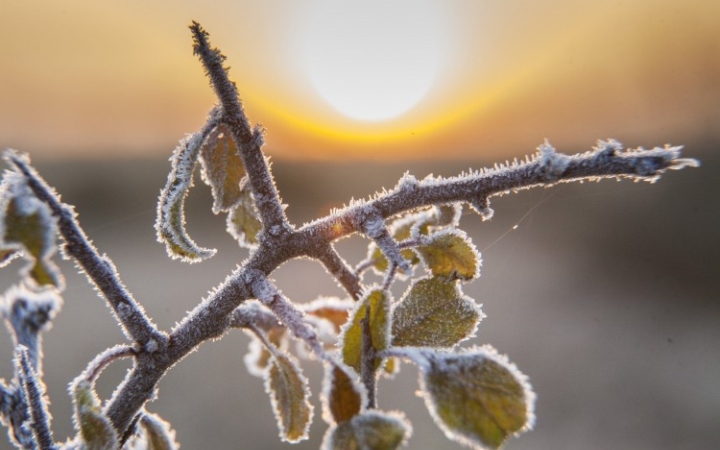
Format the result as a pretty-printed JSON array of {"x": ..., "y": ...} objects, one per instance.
[{"x": 373, "y": 60}]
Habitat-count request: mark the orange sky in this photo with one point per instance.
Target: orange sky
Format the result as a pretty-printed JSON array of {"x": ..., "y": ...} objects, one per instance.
[{"x": 95, "y": 79}]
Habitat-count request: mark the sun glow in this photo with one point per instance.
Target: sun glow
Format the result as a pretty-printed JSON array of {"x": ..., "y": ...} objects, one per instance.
[{"x": 372, "y": 60}]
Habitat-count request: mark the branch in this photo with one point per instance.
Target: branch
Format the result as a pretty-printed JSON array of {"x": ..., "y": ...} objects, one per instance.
[
  {"x": 99, "y": 269},
  {"x": 339, "y": 269},
  {"x": 249, "y": 141},
  {"x": 34, "y": 392},
  {"x": 545, "y": 169}
]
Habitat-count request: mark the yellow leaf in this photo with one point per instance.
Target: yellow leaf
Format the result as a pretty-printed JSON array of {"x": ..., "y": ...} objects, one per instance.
[
  {"x": 378, "y": 303},
  {"x": 450, "y": 254}
]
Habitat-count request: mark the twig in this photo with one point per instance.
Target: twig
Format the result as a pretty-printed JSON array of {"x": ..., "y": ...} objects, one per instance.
[
  {"x": 99, "y": 269},
  {"x": 34, "y": 396},
  {"x": 249, "y": 141}
]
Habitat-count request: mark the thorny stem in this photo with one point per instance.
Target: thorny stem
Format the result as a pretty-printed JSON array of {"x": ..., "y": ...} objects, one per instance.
[
  {"x": 249, "y": 142},
  {"x": 99, "y": 269}
]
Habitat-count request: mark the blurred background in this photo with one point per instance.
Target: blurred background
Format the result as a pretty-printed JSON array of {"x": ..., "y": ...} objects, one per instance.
[{"x": 605, "y": 295}]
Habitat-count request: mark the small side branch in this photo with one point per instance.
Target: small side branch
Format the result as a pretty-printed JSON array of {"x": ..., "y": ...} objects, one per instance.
[
  {"x": 248, "y": 140},
  {"x": 339, "y": 269},
  {"x": 99, "y": 269},
  {"x": 367, "y": 361},
  {"x": 34, "y": 396}
]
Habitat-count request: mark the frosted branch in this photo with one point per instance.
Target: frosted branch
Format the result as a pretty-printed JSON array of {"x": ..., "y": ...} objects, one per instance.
[
  {"x": 34, "y": 393},
  {"x": 249, "y": 141},
  {"x": 339, "y": 269},
  {"x": 99, "y": 269}
]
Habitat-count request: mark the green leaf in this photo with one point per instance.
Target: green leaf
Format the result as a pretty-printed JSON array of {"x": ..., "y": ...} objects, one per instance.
[
  {"x": 28, "y": 227},
  {"x": 451, "y": 255},
  {"x": 478, "y": 398},
  {"x": 170, "y": 222},
  {"x": 96, "y": 431},
  {"x": 434, "y": 313},
  {"x": 343, "y": 395},
  {"x": 371, "y": 430},
  {"x": 243, "y": 221},
  {"x": 158, "y": 434},
  {"x": 222, "y": 168},
  {"x": 378, "y": 303},
  {"x": 289, "y": 394}
]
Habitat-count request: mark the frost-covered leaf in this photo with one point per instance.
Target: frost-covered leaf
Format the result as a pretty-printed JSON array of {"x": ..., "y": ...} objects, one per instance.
[
  {"x": 289, "y": 394},
  {"x": 29, "y": 228},
  {"x": 371, "y": 430},
  {"x": 477, "y": 397},
  {"x": 96, "y": 431},
  {"x": 222, "y": 168},
  {"x": 243, "y": 221},
  {"x": 334, "y": 310},
  {"x": 170, "y": 223},
  {"x": 451, "y": 255},
  {"x": 378, "y": 302},
  {"x": 258, "y": 357},
  {"x": 158, "y": 434},
  {"x": 343, "y": 395},
  {"x": 434, "y": 313}
]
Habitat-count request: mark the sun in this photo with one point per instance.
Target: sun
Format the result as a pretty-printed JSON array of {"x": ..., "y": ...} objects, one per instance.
[{"x": 372, "y": 60}]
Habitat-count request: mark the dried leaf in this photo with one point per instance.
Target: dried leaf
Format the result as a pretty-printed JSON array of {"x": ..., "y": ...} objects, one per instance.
[
  {"x": 343, "y": 395},
  {"x": 434, "y": 313},
  {"x": 334, "y": 310},
  {"x": 96, "y": 431},
  {"x": 243, "y": 221},
  {"x": 378, "y": 302},
  {"x": 371, "y": 430},
  {"x": 451, "y": 255},
  {"x": 170, "y": 222},
  {"x": 478, "y": 398},
  {"x": 222, "y": 168},
  {"x": 289, "y": 394}
]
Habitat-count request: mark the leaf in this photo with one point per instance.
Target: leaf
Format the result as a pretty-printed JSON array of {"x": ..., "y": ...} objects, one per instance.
[
  {"x": 378, "y": 303},
  {"x": 478, "y": 398},
  {"x": 289, "y": 394},
  {"x": 243, "y": 221},
  {"x": 158, "y": 434},
  {"x": 451, "y": 255},
  {"x": 222, "y": 168},
  {"x": 29, "y": 228},
  {"x": 96, "y": 431},
  {"x": 371, "y": 430},
  {"x": 434, "y": 313},
  {"x": 258, "y": 357},
  {"x": 334, "y": 310},
  {"x": 170, "y": 222},
  {"x": 343, "y": 395}
]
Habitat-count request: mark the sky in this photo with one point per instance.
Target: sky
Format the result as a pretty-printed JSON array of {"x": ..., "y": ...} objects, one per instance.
[{"x": 395, "y": 79}]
